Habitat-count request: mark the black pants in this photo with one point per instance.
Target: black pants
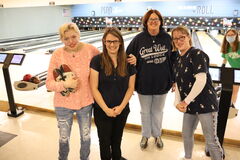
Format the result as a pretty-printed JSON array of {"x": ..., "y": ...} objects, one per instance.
[{"x": 110, "y": 131}]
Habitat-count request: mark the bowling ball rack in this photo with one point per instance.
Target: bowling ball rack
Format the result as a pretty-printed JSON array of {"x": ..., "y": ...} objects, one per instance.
[{"x": 30, "y": 85}]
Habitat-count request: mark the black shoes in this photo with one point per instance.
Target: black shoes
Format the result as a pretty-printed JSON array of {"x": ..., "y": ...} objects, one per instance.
[
  {"x": 144, "y": 142},
  {"x": 159, "y": 142},
  {"x": 207, "y": 153}
]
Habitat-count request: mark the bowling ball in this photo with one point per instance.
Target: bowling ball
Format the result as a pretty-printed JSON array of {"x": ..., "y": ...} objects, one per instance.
[
  {"x": 35, "y": 80},
  {"x": 27, "y": 77}
]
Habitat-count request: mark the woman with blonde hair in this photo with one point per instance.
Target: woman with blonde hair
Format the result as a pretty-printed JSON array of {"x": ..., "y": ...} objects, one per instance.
[
  {"x": 194, "y": 94},
  {"x": 77, "y": 56}
]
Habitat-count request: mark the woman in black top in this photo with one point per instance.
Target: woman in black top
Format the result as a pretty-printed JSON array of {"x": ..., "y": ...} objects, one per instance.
[
  {"x": 112, "y": 81},
  {"x": 195, "y": 95},
  {"x": 152, "y": 48}
]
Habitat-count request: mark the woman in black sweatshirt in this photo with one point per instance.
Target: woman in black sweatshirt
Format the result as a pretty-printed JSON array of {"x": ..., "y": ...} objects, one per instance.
[{"x": 152, "y": 48}]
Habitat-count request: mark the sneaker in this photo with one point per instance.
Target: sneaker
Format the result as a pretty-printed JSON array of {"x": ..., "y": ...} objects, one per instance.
[
  {"x": 207, "y": 153},
  {"x": 159, "y": 142},
  {"x": 144, "y": 142}
]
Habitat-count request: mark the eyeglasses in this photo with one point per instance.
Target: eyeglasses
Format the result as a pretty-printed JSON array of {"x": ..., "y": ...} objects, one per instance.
[
  {"x": 182, "y": 38},
  {"x": 110, "y": 42},
  {"x": 153, "y": 19}
]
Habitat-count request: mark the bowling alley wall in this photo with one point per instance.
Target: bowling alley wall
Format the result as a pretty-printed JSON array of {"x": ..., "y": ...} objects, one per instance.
[
  {"x": 31, "y": 21},
  {"x": 196, "y": 14},
  {"x": 201, "y": 14}
]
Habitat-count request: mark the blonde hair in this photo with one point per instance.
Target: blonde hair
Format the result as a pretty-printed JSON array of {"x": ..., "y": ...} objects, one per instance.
[
  {"x": 66, "y": 27},
  {"x": 183, "y": 30}
]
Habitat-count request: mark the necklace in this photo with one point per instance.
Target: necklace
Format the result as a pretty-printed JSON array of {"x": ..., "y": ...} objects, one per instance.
[
  {"x": 75, "y": 50},
  {"x": 153, "y": 39},
  {"x": 153, "y": 34}
]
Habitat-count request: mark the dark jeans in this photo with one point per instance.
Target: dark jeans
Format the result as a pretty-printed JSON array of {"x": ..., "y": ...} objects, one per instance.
[{"x": 110, "y": 131}]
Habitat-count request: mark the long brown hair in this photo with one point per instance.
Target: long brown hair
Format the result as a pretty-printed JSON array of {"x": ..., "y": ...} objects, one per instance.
[
  {"x": 226, "y": 45},
  {"x": 106, "y": 61},
  {"x": 148, "y": 14}
]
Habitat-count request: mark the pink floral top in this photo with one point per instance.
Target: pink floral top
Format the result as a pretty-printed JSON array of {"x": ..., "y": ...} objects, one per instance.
[{"x": 79, "y": 63}]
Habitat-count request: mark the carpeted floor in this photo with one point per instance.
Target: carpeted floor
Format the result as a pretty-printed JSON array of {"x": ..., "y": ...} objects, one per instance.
[{"x": 5, "y": 137}]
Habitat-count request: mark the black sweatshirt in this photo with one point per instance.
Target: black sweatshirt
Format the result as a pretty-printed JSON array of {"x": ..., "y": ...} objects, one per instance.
[{"x": 154, "y": 64}]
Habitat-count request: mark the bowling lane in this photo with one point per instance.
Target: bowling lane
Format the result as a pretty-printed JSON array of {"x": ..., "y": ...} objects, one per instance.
[
  {"x": 219, "y": 37},
  {"x": 23, "y": 40},
  {"x": 86, "y": 39},
  {"x": 210, "y": 48},
  {"x": 55, "y": 43},
  {"x": 31, "y": 42},
  {"x": 26, "y": 43}
]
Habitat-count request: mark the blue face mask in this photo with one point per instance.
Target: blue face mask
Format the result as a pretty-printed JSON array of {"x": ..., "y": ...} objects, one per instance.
[{"x": 231, "y": 39}]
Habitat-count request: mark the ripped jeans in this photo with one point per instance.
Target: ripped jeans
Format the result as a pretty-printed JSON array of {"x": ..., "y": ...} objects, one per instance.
[{"x": 65, "y": 120}]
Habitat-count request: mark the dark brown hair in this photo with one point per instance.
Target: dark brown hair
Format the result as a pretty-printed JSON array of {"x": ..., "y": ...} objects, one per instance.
[
  {"x": 106, "y": 61},
  {"x": 226, "y": 45},
  {"x": 148, "y": 14}
]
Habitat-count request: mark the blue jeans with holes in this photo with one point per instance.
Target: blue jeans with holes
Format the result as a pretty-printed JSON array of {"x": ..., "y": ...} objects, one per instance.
[
  {"x": 152, "y": 114},
  {"x": 65, "y": 120},
  {"x": 209, "y": 127}
]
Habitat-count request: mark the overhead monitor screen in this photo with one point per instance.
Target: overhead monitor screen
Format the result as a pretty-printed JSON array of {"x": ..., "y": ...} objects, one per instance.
[
  {"x": 215, "y": 74},
  {"x": 3, "y": 57},
  {"x": 237, "y": 76},
  {"x": 17, "y": 59}
]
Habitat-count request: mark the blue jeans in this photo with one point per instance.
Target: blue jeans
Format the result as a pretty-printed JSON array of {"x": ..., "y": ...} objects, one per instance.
[
  {"x": 152, "y": 114},
  {"x": 65, "y": 120},
  {"x": 209, "y": 127}
]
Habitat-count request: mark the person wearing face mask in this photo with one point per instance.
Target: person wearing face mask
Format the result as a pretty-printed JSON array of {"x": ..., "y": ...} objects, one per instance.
[
  {"x": 153, "y": 50},
  {"x": 230, "y": 50}
]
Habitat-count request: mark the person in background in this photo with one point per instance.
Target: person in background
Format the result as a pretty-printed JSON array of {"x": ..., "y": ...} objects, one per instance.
[
  {"x": 194, "y": 94},
  {"x": 77, "y": 56},
  {"x": 230, "y": 50},
  {"x": 153, "y": 50},
  {"x": 112, "y": 82}
]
